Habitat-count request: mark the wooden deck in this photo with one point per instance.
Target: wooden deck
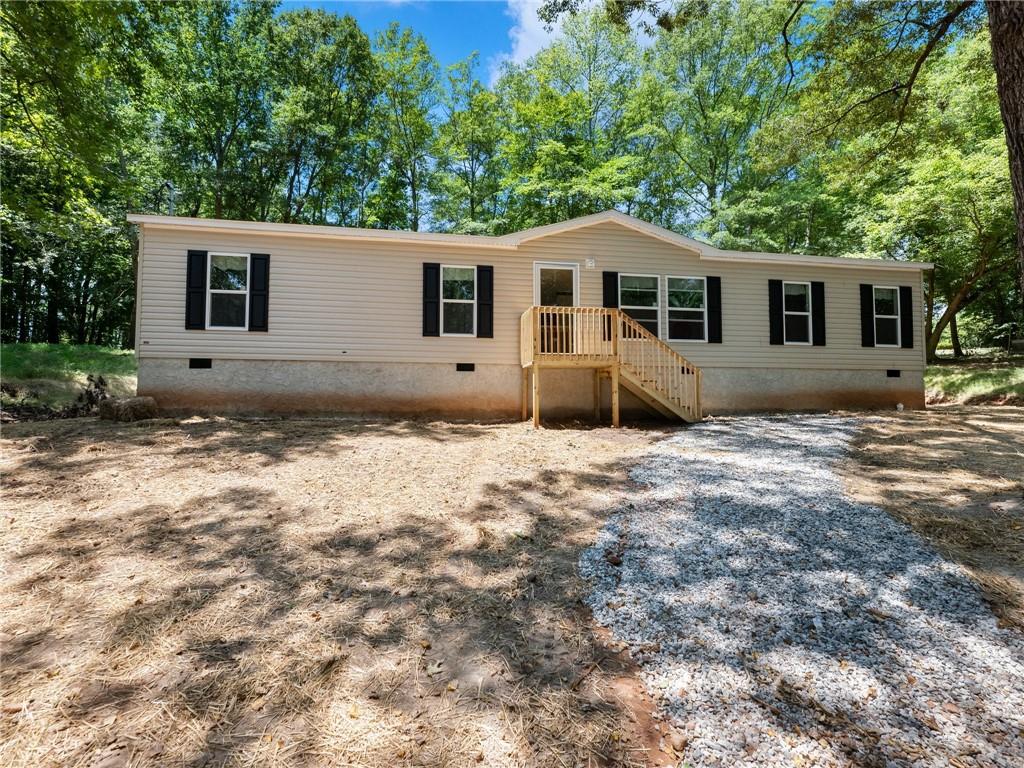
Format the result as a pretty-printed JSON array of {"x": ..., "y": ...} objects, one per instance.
[{"x": 614, "y": 346}]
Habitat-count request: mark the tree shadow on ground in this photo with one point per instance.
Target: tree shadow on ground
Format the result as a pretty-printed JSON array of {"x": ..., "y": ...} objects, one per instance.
[
  {"x": 731, "y": 541},
  {"x": 255, "y": 621},
  {"x": 954, "y": 475},
  {"x": 59, "y": 445}
]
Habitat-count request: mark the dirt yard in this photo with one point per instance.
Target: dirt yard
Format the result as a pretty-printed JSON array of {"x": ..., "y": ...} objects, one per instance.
[
  {"x": 324, "y": 592},
  {"x": 956, "y": 475},
  {"x": 310, "y": 592}
]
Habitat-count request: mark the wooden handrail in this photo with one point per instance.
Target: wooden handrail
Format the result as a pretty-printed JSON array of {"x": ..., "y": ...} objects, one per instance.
[
  {"x": 598, "y": 336},
  {"x": 656, "y": 364}
]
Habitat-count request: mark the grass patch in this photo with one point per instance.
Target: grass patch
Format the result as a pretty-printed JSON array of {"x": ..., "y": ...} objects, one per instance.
[
  {"x": 985, "y": 380},
  {"x": 54, "y": 374}
]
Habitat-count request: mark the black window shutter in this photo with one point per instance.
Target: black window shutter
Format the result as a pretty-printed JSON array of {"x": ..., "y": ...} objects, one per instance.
[
  {"x": 867, "y": 315},
  {"x": 818, "y": 314},
  {"x": 431, "y": 299},
  {"x": 906, "y": 318},
  {"x": 611, "y": 289},
  {"x": 259, "y": 291},
  {"x": 714, "y": 299},
  {"x": 775, "y": 335},
  {"x": 485, "y": 302},
  {"x": 195, "y": 291}
]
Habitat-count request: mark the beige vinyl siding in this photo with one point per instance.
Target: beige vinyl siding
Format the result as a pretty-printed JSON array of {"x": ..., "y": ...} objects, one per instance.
[
  {"x": 329, "y": 300},
  {"x": 744, "y": 300},
  {"x": 362, "y": 301}
]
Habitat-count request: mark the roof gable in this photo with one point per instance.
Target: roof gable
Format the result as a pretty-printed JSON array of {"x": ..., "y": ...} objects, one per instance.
[{"x": 605, "y": 217}]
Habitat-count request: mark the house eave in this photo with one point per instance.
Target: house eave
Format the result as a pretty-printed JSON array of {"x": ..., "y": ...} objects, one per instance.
[
  {"x": 797, "y": 259},
  {"x": 514, "y": 240},
  {"x": 705, "y": 251},
  {"x": 316, "y": 230}
]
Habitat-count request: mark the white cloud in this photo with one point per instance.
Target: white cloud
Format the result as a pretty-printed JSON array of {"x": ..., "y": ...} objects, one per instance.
[{"x": 527, "y": 36}]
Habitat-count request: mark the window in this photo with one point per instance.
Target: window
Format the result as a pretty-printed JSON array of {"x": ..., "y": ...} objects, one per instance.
[
  {"x": 458, "y": 301},
  {"x": 796, "y": 312},
  {"x": 887, "y": 316},
  {"x": 227, "y": 306},
  {"x": 687, "y": 308},
  {"x": 638, "y": 298}
]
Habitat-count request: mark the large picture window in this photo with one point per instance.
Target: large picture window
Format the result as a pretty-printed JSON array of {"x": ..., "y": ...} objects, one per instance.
[
  {"x": 228, "y": 299},
  {"x": 458, "y": 301},
  {"x": 796, "y": 312},
  {"x": 687, "y": 308},
  {"x": 638, "y": 298},
  {"x": 887, "y": 316}
]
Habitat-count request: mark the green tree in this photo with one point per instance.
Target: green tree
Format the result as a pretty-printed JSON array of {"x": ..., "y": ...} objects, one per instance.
[
  {"x": 213, "y": 99},
  {"x": 947, "y": 197},
  {"x": 73, "y": 160},
  {"x": 871, "y": 56},
  {"x": 410, "y": 93},
  {"x": 718, "y": 82},
  {"x": 324, "y": 84},
  {"x": 467, "y": 184},
  {"x": 567, "y": 148}
]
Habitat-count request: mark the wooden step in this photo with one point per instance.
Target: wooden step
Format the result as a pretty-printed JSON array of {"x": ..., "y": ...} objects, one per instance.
[{"x": 653, "y": 396}]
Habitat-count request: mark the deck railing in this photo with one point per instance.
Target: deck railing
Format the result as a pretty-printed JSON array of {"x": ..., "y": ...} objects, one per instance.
[
  {"x": 568, "y": 335},
  {"x": 656, "y": 364},
  {"x": 595, "y": 337}
]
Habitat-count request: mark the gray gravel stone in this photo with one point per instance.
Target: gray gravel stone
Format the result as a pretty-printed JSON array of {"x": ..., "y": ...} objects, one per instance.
[{"x": 784, "y": 624}]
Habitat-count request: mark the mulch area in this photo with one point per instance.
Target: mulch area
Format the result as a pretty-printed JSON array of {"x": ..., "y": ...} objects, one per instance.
[
  {"x": 374, "y": 592},
  {"x": 956, "y": 475},
  {"x": 310, "y": 592}
]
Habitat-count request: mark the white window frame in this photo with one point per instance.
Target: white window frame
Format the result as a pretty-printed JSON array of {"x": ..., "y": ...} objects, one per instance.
[
  {"x": 896, "y": 317},
  {"x": 807, "y": 314},
  {"x": 574, "y": 266},
  {"x": 704, "y": 309},
  {"x": 210, "y": 291},
  {"x": 657, "y": 293},
  {"x": 459, "y": 301}
]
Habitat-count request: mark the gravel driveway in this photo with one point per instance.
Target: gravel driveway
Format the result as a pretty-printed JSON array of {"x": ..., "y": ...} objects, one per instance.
[{"x": 780, "y": 623}]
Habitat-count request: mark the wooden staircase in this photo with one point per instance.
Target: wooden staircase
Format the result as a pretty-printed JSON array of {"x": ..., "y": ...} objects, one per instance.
[{"x": 616, "y": 347}]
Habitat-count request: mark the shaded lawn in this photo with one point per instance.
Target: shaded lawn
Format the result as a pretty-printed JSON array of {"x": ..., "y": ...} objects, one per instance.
[
  {"x": 977, "y": 380},
  {"x": 54, "y": 374}
]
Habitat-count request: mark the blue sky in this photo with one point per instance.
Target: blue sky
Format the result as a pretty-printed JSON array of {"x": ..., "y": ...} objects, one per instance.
[{"x": 499, "y": 30}]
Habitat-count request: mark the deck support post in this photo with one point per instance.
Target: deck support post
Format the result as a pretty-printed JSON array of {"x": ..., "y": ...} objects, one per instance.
[
  {"x": 615, "y": 395},
  {"x": 597, "y": 395},
  {"x": 525, "y": 394},
  {"x": 536, "y": 396},
  {"x": 698, "y": 382}
]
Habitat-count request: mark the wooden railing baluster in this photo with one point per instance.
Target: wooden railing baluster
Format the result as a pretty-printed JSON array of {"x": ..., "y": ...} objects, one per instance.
[{"x": 600, "y": 337}]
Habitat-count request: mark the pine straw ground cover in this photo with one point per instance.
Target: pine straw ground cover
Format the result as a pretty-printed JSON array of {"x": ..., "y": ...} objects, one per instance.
[
  {"x": 308, "y": 592},
  {"x": 956, "y": 475}
]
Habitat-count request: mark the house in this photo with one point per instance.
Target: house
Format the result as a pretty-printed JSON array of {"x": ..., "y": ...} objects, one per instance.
[{"x": 607, "y": 312}]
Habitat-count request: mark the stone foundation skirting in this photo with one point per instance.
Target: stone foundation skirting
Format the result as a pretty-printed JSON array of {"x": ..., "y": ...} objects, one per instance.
[{"x": 491, "y": 391}]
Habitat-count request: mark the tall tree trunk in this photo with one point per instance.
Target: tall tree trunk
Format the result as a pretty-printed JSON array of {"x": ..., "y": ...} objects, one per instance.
[
  {"x": 415, "y": 200},
  {"x": 954, "y": 336},
  {"x": 929, "y": 309},
  {"x": 52, "y": 314},
  {"x": 128, "y": 342},
  {"x": 956, "y": 301},
  {"x": 1006, "y": 27},
  {"x": 290, "y": 194},
  {"x": 24, "y": 305},
  {"x": 90, "y": 324}
]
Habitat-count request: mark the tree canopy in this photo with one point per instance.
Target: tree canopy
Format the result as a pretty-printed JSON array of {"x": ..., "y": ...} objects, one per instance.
[{"x": 838, "y": 129}]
